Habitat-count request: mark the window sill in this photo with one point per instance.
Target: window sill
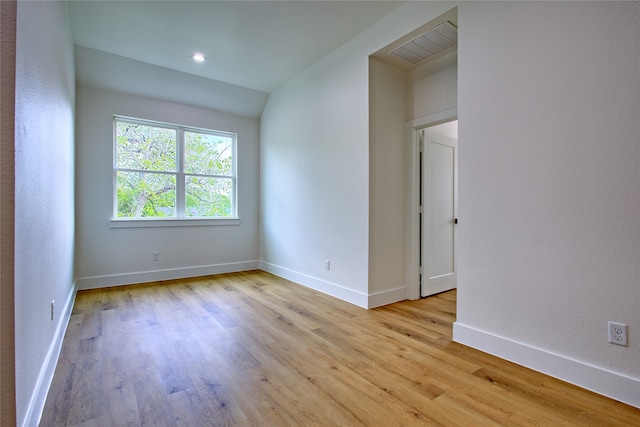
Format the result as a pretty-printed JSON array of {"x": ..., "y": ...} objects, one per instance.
[{"x": 172, "y": 222}]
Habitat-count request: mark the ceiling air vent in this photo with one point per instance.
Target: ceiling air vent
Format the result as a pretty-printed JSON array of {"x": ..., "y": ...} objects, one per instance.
[{"x": 431, "y": 43}]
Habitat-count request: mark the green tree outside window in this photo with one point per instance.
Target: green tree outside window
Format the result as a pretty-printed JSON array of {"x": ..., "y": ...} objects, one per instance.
[{"x": 168, "y": 172}]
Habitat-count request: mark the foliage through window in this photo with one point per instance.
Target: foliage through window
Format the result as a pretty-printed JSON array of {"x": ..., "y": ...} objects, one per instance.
[{"x": 168, "y": 171}]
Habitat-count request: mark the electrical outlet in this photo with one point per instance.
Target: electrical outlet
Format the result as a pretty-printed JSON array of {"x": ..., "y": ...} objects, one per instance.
[
  {"x": 618, "y": 333},
  {"x": 327, "y": 264},
  {"x": 155, "y": 256},
  {"x": 53, "y": 309}
]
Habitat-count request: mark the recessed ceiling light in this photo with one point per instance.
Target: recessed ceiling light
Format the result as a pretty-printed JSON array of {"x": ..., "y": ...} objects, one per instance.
[{"x": 198, "y": 57}]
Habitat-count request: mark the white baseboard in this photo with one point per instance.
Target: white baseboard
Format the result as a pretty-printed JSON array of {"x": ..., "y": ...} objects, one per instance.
[
  {"x": 387, "y": 297},
  {"x": 340, "y": 292},
  {"x": 616, "y": 386},
  {"x": 168, "y": 274},
  {"x": 39, "y": 396}
]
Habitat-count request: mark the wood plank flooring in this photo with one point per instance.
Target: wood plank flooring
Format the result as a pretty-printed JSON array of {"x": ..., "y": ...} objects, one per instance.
[{"x": 251, "y": 349}]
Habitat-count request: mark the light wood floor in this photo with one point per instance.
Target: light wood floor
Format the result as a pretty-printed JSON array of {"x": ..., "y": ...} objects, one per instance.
[{"x": 250, "y": 349}]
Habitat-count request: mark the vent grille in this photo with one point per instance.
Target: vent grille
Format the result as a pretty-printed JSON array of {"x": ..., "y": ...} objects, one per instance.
[{"x": 431, "y": 43}]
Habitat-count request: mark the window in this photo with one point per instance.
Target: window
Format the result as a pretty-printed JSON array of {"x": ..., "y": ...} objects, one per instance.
[{"x": 164, "y": 171}]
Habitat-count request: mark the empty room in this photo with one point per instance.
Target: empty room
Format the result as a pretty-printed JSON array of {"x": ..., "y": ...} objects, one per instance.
[{"x": 356, "y": 213}]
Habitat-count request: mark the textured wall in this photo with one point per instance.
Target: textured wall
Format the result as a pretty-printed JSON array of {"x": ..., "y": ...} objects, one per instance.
[
  {"x": 44, "y": 225},
  {"x": 314, "y": 173},
  {"x": 433, "y": 87},
  {"x": 315, "y": 167},
  {"x": 550, "y": 176},
  {"x": 387, "y": 157},
  {"x": 105, "y": 254}
]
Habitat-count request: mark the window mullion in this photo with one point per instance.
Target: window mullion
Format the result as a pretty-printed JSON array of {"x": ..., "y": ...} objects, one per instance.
[
  {"x": 234, "y": 178},
  {"x": 180, "y": 182},
  {"x": 115, "y": 171}
]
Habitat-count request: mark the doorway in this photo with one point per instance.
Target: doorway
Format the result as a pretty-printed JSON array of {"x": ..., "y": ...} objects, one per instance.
[
  {"x": 432, "y": 176},
  {"x": 438, "y": 196},
  {"x": 429, "y": 91}
]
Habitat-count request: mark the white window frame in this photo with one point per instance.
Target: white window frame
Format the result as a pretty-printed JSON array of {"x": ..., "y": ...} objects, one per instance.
[{"x": 180, "y": 219}]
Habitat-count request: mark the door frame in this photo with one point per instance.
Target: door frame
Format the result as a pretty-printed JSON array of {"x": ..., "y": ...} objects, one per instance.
[{"x": 412, "y": 229}]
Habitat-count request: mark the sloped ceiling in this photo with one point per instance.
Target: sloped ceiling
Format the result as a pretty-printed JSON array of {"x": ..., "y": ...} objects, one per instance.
[{"x": 257, "y": 45}]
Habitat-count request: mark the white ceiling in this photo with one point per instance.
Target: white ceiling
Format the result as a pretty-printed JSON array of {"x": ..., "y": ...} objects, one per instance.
[{"x": 254, "y": 44}]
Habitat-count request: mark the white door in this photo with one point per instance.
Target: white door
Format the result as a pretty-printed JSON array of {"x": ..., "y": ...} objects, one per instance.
[{"x": 439, "y": 207}]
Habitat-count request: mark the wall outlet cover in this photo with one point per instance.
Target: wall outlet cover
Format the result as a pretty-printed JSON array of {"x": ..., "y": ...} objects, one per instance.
[{"x": 618, "y": 333}]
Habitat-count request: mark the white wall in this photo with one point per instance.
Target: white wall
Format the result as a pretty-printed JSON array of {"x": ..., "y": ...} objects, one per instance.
[
  {"x": 44, "y": 223},
  {"x": 314, "y": 181},
  {"x": 107, "y": 256},
  {"x": 432, "y": 87},
  {"x": 387, "y": 203},
  {"x": 448, "y": 129},
  {"x": 550, "y": 187},
  {"x": 315, "y": 160}
]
